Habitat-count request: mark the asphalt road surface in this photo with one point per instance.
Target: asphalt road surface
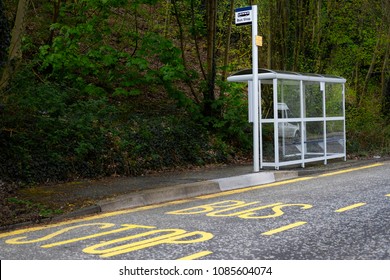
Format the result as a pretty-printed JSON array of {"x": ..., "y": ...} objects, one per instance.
[{"x": 343, "y": 215}]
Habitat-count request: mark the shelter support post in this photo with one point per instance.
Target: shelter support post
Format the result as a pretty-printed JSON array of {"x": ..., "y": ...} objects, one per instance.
[{"x": 255, "y": 93}]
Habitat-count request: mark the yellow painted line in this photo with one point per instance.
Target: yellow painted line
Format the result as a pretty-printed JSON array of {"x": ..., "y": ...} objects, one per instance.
[
  {"x": 196, "y": 256},
  {"x": 353, "y": 206},
  {"x": 149, "y": 207},
  {"x": 83, "y": 219},
  {"x": 275, "y": 184},
  {"x": 282, "y": 183},
  {"x": 350, "y": 170},
  {"x": 284, "y": 228},
  {"x": 125, "y": 227},
  {"x": 387, "y": 194}
]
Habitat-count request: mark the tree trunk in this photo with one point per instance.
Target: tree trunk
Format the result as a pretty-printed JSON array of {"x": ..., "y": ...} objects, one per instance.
[
  {"x": 181, "y": 33},
  {"x": 167, "y": 18},
  {"x": 209, "y": 93},
  {"x": 15, "y": 49},
  {"x": 195, "y": 33},
  {"x": 4, "y": 37},
  {"x": 319, "y": 36},
  {"x": 227, "y": 46},
  {"x": 372, "y": 65},
  {"x": 56, "y": 12},
  {"x": 269, "y": 37}
]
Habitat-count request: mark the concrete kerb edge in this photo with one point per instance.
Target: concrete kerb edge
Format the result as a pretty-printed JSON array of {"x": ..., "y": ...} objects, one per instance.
[
  {"x": 202, "y": 188},
  {"x": 161, "y": 195},
  {"x": 190, "y": 190}
]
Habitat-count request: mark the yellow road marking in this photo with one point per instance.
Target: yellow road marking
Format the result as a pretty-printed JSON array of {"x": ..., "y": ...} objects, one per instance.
[
  {"x": 24, "y": 240},
  {"x": 350, "y": 170},
  {"x": 284, "y": 228},
  {"x": 172, "y": 236},
  {"x": 196, "y": 256},
  {"x": 84, "y": 219},
  {"x": 276, "y": 184},
  {"x": 387, "y": 194},
  {"x": 281, "y": 183},
  {"x": 125, "y": 227},
  {"x": 350, "y": 207},
  {"x": 149, "y": 207}
]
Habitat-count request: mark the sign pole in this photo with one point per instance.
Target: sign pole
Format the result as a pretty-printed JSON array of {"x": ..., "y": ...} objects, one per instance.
[
  {"x": 255, "y": 91},
  {"x": 248, "y": 15}
]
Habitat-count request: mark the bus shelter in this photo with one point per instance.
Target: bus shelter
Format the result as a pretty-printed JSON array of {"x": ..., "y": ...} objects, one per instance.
[{"x": 301, "y": 116}]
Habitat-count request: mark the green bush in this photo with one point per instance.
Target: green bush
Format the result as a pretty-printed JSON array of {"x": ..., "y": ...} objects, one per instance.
[
  {"x": 231, "y": 125},
  {"x": 46, "y": 132},
  {"x": 160, "y": 142},
  {"x": 53, "y": 132},
  {"x": 367, "y": 131}
]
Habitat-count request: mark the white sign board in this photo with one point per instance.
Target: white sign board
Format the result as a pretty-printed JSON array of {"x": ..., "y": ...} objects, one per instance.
[{"x": 243, "y": 15}]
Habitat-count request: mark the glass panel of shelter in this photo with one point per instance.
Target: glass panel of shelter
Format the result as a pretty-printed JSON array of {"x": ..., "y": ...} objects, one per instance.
[
  {"x": 268, "y": 149},
  {"x": 335, "y": 137},
  {"x": 335, "y": 133},
  {"x": 289, "y": 120},
  {"x": 267, "y": 100},
  {"x": 334, "y": 100}
]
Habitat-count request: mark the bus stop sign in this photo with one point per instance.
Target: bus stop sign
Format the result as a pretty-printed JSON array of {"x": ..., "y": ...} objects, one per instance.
[{"x": 243, "y": 15}]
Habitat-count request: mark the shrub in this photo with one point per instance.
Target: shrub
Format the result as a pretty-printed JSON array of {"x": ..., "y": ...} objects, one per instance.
[
  {"x": 367, "y": 130},
  {"x": 52, "y": 132}
]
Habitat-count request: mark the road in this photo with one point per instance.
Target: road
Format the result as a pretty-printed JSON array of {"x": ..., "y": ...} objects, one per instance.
[{"x": 340, "y": 215}]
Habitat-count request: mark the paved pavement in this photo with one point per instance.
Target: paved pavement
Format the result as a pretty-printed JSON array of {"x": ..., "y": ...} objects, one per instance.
[{"x": 119, "y": 193}]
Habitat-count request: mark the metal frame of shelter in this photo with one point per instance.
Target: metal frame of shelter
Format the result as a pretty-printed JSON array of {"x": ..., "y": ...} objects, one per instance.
[{"x": 301, "y": 116}]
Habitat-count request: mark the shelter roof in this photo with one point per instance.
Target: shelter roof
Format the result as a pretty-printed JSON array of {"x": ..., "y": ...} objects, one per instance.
[{"x": 266, "y": 74}]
